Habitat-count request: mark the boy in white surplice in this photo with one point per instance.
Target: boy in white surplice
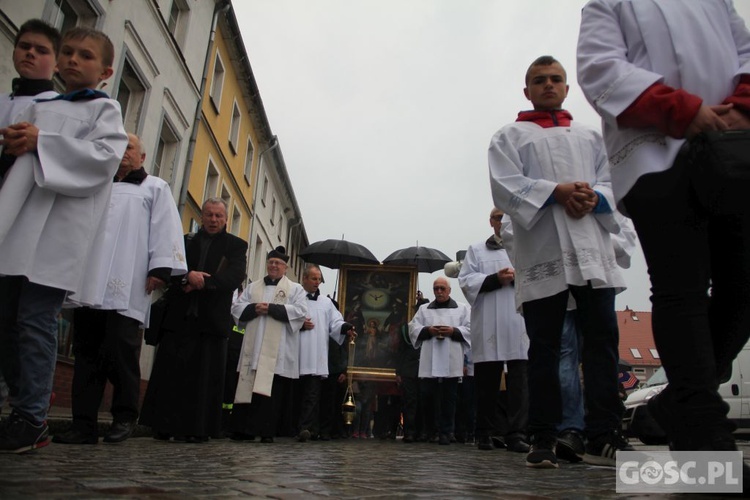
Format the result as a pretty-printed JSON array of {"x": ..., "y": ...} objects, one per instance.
[{"x": 551, "y": 176}]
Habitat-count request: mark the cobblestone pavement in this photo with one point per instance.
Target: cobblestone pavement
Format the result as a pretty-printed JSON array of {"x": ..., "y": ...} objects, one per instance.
[{"x": 145, "y": 468}]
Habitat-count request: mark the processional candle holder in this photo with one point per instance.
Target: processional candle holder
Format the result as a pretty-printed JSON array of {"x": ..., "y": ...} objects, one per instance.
[{"x": 348, "y": 408}]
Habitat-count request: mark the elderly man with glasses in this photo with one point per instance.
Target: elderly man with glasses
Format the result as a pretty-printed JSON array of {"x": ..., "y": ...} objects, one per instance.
[
  {"x": 441, "y": 329},
  {"x": 499, "y": 341},
  {"x": 272, "y": 312}
]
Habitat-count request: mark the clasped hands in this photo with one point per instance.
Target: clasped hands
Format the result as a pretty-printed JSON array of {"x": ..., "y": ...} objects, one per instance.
[
  {"x": 195, "y": 281},
  {"x": 440, "y": 331},
  {"x": 19, "y": 138},
  {"x": 578, "y": 198}
]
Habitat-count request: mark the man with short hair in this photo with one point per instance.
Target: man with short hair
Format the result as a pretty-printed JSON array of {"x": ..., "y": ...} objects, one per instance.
[
  {"x": 271, "y": 311},
  {"x": 141, "y": 249},
  {"x": 323, "y": 321},
  {"x": 498, "y": 337},
  {"x": 184, "y": 395},
  {"x": 441, "y": 329}
]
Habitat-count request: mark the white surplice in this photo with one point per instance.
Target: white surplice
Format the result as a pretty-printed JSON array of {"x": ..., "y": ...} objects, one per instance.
[
  {"x": 313, "y": 344},
  {"x": 625, "y": 46},
  {"x": 552, "y": 249},
  {"x": 441, "y": 357},
  {"x": 287, "y": 361},
  {"x": 52, "y": 203},
  {"x": 10, "y": 108},
  {"x": 142, "y": 232},
  {"x": 498, "y": 332}
]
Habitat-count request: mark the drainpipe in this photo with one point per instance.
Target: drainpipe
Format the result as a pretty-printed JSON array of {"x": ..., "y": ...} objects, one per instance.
[
  {"x": 221, "y": 8},
  {"x": 274, "y": 143}
]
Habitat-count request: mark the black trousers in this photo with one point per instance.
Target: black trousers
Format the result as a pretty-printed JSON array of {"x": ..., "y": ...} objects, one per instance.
[
  {"x": 310, "y": 389},
  {"x": 439, "y": 402},
  {"x": 412, "y": 407},
  {"x": 690, "y": 249},
  {"x": 331, "y": 398},
  {"x": 261, "y": 416},
  {"x": 107, "y": 346},
  {"x": 487, "y": 376}
]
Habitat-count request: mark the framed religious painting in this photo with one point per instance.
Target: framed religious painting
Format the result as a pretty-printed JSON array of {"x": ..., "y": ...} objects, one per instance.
[{"x": 379, "y": 301}]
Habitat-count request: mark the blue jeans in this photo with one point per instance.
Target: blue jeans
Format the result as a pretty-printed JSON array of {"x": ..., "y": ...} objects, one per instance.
[
  {"x": 28, "y": 343},
  {"x": 598, "y": 322},
  {"x": 570, "y": 380}
]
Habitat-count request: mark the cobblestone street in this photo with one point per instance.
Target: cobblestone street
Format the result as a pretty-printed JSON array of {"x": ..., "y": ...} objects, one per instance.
[{"x": 146, "y": 468}]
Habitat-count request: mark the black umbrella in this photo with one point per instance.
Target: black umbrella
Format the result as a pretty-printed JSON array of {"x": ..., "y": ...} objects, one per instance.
[
  {"x": 334, "y": 253},
  {"x": 426, "y": 259}
]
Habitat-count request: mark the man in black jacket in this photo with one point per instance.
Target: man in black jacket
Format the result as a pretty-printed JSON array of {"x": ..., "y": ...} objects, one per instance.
[{"x": 184, "y": 395}]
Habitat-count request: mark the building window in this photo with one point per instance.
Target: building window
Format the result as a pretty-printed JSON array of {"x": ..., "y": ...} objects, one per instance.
[
  {"x": 654, "y": 353},
  {"x": 212, "y": 182},
  {"x": 639, "y": 371},
  {"x": 226, "y": 196},
  {"x": 249, "y": 161},
  {"x": 264, "y": 193},
  {"x": 131, "y": 94},
  {"x": 194, "y": 226},
  {"x": 66, "y": 14},
  {"x": 166, "y": 153},
  {"x": 236, "y": 220},
  {"x": 217, "y": 82},
  {"x": 281, "y": 227},
  {"x": 234, "y": 128},
  {"x": 636, "y": 353},
  {"x": 273, "y": 209}
]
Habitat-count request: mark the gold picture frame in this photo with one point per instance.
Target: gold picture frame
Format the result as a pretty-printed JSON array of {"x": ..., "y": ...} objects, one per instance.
[{"x": 379, "y": 301}]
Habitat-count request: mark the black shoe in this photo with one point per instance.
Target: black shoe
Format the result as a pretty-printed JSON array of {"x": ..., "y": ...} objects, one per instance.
[
  {"x": 162, "y": 436},
  {"x": 304, "y": 435},
  {"x": 19, "y": 435},
  {"x": 542, "y": 453},
  {"x": 444, "y": 439},
  {"x": 75, "y": 436},
  {"x": 119, "y": 432},
  {"x": 266, "y": 440},
  {"x": 485, "y": 443},
  {"x": 603, "y": 449},
  {"x": 498, "y": 442},
  {"x": 517, "y": 444},
  {"x": 570, "y": 445}
]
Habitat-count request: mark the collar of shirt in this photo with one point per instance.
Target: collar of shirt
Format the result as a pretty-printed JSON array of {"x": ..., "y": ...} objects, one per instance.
[
  {"x": 134, "y": 176},
  {"x": 547, "y": 118},
  {"x": 494, "y": 243},
  {"x": 448, "y": 304},
  {"x": 27, "y": 87},
  {"x": 270, "y": 282},
  {"x": 313, "y": 296},
  {"x": 78, "y": 95}
]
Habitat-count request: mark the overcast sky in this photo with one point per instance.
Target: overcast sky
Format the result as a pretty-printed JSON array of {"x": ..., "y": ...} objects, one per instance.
[{"x": 384, "y": 110}]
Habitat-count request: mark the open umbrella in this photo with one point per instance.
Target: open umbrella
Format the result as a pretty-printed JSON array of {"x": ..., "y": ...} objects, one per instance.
[
  {"x": 426, "y": 259},
  {"x": 334, "y": 253}
]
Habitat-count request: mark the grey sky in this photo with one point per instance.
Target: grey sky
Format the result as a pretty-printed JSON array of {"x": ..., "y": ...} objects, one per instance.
[{"x": 384, "y": 110}]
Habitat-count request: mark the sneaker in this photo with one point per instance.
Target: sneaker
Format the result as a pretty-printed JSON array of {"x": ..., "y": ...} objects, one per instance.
[
  {"x": 542, "y": 454},
  {"x": 603, "y": 449},
  {"x": 517, "y": 444},
  {"x": 20, "y": 435},
  {"x": 570, "y": 445}
]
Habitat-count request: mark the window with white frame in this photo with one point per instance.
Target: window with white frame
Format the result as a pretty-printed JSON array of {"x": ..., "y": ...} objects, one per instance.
[
  {"x": 281, "y": 227},
  {"x": 654, "y": 353},
  {"x": 273, "y": 209},
  {"x": 264, "y": 193},
  {"x": 131, "y": 94},
  {"x": 177, "y": 22},
  {"x": 226, "y": 196},
  {"x": 212, "y": 181},
  {"x": 636, "y": 353},
  {"x": 217, "y": 82},
  {"x": 236, "y": 220},
  {"x": 234, "y": 128},
  {"x": 249, "y": 160},
  {"x": 166, "y": 153},
  {"x": 66, "y": 14}
]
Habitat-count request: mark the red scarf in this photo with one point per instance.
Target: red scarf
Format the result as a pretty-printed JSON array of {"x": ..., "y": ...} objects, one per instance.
[{"x": 546, "y": 119}]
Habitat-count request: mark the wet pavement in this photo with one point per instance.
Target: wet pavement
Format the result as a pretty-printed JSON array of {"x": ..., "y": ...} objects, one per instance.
[{"x": 352, "y": 468}]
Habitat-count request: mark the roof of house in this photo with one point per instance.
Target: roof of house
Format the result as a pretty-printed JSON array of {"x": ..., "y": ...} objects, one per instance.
[{"x": 636, "y": 338}]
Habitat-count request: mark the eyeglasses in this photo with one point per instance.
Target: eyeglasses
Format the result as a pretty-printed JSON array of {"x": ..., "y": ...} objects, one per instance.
[{"x": 438, "y": 288}]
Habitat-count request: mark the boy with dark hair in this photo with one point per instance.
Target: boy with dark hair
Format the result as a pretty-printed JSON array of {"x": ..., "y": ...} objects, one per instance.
[
  {"x": 52, "y": 202},
  {"x": 551, "y": 176},
  {"x": 34, "y": 58}
]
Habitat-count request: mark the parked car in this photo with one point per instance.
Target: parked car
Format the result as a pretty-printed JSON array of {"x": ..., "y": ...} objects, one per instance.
[{"x": 638, "y": 423}]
